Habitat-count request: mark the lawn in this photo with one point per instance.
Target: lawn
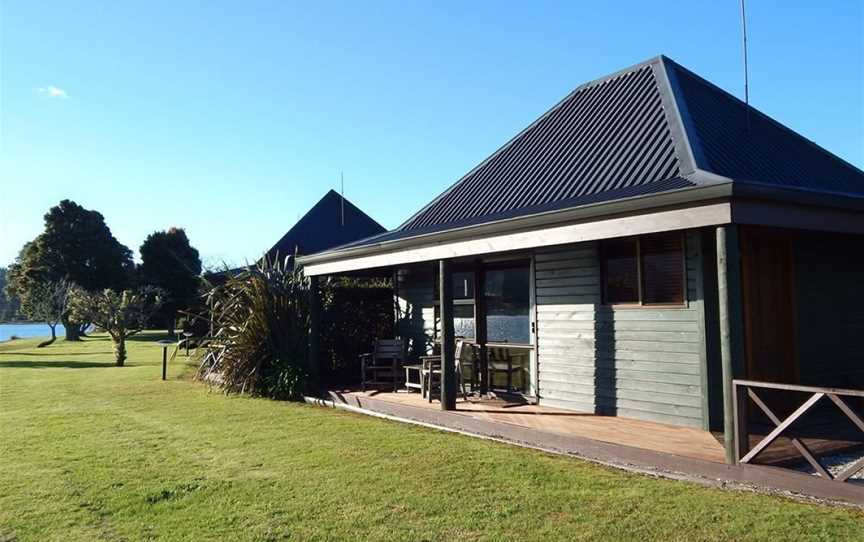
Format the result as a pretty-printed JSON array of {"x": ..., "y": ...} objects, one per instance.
[{"x": 91, "y": 451}]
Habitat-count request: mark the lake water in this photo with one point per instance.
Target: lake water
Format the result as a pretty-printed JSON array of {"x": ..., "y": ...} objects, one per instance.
[{"x": 24, "y": 331}]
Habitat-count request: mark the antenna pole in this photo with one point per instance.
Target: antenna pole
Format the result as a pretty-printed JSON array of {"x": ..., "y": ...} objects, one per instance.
[
  {"x": 342, "y": 182},
  {"x": 746, "y": 69}
]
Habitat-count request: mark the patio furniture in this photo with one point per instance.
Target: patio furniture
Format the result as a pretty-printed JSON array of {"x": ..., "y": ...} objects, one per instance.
[
  {"x": 381, "y": 365},
  {"x": 414, "y": 384},
  {"x": 431, "y": 370},
  {"x": 501, "y": 362}
]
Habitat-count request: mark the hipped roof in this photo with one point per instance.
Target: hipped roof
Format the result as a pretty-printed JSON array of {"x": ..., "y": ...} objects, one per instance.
[{"x": 652, "y": 128}]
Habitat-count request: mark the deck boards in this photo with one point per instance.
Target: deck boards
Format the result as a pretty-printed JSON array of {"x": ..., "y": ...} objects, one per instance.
[{"x": 658, "y": 437}]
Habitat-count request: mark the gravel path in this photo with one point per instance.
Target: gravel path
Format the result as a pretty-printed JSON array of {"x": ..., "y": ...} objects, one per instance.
[{"x": 835, "y": 464}]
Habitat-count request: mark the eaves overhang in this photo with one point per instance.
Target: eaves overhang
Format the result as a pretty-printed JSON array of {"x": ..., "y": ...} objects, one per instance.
[{"x": 691, "y": 196}]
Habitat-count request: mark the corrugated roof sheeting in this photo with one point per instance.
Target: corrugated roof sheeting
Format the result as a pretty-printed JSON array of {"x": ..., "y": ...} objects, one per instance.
[
  {"x": 603, "y": 137},
  {"x": 767, "y": 152},
  {"x": 665, "y": 185},
  {"x": 614, "y": 138}
]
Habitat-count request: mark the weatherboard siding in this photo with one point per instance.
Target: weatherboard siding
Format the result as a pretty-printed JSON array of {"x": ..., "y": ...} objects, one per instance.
[{"x": 642, "y": 363}]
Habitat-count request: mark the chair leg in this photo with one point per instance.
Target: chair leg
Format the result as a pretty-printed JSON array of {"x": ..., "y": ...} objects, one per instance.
[{"x": 462, "y": 382}]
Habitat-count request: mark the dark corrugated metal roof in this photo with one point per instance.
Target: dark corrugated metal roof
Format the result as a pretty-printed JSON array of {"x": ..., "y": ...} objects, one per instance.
[
  {"x": 665, "y": 185},
  {"x": 765, "y": 152},
  {"x": 644, "y": 130},
  {"x": 603, "y": 137}
]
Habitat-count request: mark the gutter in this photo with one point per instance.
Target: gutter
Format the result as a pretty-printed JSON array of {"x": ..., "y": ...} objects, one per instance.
[{"x": 711, "y": 187}]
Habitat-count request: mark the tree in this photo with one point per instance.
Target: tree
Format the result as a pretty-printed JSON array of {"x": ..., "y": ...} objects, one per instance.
[
  {"x": 8, "y": 304},
  {"x": 76, "y": 246},
  {"x": 120, "y": 314},
  {"x": 169, "y": 262},
  {"x": 46, "y": 302}
]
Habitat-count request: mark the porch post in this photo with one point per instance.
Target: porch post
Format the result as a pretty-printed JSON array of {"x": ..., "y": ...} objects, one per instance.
[
  {"x": 731, "y": 328},
  {"x": 314, "y": 330},
  {"x": 480, "y": 326},
  {"x": 448, "y": 345}
]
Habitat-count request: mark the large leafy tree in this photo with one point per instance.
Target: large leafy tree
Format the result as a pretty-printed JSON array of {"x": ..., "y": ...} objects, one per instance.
[
  {"x": 171, "y": 263},
  {"x": 8, "y": 304},
  {"x": 76, "y": 246}
]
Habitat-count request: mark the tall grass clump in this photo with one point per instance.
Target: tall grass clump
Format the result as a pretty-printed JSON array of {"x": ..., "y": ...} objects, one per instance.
[{"x": 259, "y": 332}]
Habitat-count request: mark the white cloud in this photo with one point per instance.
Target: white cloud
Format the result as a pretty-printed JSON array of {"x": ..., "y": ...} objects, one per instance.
[{"x": 52, "y": 92}]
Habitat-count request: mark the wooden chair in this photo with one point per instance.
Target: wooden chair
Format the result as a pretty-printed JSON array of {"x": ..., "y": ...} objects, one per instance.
[
  {"x": 431, "y": 370},
  {"x": 502, "y": 363},
  {"x": 381, "y": 365}
]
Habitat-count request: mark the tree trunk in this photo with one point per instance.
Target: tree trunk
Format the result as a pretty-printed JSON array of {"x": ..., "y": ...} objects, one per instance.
[
  {"x": 53, "y": 336},
  {"x": 72, "y": 330},
  {"x": 120, "y": 350}
]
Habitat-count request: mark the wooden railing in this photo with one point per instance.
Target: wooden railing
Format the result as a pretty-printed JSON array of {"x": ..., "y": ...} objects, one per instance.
[{"x": 746, "y": 391}]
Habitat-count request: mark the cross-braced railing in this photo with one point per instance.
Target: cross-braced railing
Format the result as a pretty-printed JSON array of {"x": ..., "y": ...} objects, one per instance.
[{"x": 745, "y": 391}]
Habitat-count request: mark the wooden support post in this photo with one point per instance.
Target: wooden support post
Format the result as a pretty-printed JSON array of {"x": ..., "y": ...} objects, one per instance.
[
  {"x": 314, "y": 330},
  {"x": 731, "y": 331},
  {"x": 448, "y": 340},
  {"x": 481, "y": 330},
  {"x": 742, "y": 433}
]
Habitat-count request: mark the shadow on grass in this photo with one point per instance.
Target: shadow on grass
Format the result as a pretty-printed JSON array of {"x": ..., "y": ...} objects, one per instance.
[
  {"x": 150, "y": 337},
  {"x": 54, "y": 364},
  {"x": 48, "y": 353}
]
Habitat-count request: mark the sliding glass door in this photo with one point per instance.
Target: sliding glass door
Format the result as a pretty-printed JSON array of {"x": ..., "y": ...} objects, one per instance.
[{"x": 493, "y": 310}]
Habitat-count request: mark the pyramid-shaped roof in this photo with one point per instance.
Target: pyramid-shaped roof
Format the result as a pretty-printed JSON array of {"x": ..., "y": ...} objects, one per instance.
[
  {"x": 322, "y": 227},
  {"x": 651, "y": 128}
]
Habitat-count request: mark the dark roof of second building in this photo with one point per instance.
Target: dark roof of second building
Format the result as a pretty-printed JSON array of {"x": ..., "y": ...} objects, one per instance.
[{"x": 326, "y": 225}]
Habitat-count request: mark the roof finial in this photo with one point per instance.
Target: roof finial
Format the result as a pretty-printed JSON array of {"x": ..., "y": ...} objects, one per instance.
[{"x": 746, "y": 74}]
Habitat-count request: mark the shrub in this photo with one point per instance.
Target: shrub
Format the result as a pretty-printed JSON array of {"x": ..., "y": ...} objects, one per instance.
[
  {"x": 260, "y": 332},
  {"x": 354, "y": 313}
]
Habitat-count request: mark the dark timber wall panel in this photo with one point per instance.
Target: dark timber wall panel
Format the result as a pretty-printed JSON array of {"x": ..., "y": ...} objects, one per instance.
[
  {"x": 642, "y": 363},
  {"x": 829, "y": 272}
]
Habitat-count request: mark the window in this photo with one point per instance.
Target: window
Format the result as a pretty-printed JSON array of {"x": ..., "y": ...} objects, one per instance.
[
  {"x": 508, "y": 305},
  {"x": 464, "y": 324},
  {"x": 645, "y": 270}
]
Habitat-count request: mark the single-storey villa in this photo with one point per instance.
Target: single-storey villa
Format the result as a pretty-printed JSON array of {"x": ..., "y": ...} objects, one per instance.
[{"x": 634, "y": 250}]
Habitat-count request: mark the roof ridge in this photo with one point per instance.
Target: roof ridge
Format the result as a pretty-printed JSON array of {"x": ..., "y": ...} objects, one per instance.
[{"x": 680, "y": 123}]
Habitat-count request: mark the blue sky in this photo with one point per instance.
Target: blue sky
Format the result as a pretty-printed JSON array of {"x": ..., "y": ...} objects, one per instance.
[{"x": 231, "y": 119}]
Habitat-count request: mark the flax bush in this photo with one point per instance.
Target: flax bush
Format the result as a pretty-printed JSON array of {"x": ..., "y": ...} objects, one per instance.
[{"x": 259, "y": 332}]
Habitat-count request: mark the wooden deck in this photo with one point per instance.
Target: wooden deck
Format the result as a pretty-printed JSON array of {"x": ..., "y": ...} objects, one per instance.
[{"x": 657, "y": 437}]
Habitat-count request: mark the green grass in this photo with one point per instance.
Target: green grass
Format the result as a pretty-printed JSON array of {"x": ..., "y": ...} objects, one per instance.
[{"x": 91, "y": 451}]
